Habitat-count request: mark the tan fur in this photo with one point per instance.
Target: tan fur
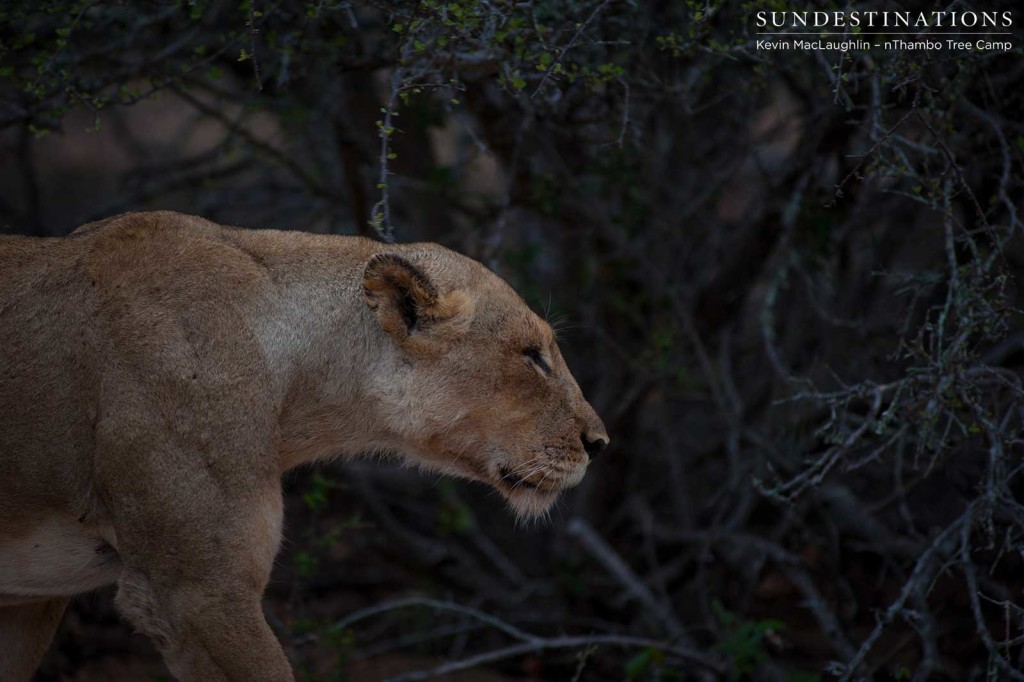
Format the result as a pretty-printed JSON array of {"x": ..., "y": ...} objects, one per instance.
[
  {"x": 159, "y": 372},
  {"x": 25, "y": 634}
]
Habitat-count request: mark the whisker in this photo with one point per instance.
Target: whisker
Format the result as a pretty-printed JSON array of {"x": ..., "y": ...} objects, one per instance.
[
  {"x": 523, "y": 477},
  {"x": 521, "y": 467}
]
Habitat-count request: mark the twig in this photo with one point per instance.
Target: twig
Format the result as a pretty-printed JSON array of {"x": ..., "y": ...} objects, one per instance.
[
  {"x": 251, "y": 23},
  {"x": 917, "y": 584},
  {"x": 967, "y": 566},
  {"x": 277, "y": 155},
  {"x": 407, "y": 602},
  {"x": 565, "y": 50},
  {"x": 380, "y": 214},
  {"x": 540, "y": 644},
  {"x": 599, "y": 549}
]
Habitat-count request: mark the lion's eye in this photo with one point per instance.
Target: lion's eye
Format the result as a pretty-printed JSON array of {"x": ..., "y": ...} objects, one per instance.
[{"x": 535, "y": 356}]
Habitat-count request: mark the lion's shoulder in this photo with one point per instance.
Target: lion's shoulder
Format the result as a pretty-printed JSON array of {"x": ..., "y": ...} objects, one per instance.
[{"x": 144, "y": 222}]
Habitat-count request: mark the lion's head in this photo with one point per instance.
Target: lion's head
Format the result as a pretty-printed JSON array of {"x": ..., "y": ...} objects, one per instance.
[{"x": 479, "y": 387}]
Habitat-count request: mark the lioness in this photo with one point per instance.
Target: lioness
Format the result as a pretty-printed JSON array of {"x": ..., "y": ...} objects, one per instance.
[{"x": 158, "y": 373}]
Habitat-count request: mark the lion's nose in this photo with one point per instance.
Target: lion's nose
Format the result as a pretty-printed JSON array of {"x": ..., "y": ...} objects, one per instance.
[{"x": 594, "y": 443}]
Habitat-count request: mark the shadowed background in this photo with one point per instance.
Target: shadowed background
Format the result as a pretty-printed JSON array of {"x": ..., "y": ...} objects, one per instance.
[{"x": 786, "y": 280}]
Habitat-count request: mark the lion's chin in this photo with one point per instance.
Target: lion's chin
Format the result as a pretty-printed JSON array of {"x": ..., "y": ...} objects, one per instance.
[{"x": 530, "y": 503}]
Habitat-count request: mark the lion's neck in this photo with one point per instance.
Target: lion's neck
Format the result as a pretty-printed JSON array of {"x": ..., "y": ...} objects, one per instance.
[{"x": 318, "y": 342}]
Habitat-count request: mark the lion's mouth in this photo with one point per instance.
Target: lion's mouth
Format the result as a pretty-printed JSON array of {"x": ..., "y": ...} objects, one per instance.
[
  {"x": 514, "y": 481},
  {"x": 547, "y": 479}
]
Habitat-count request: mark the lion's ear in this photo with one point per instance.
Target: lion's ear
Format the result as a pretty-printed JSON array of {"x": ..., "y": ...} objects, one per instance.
[{"x": 407, "y": 303}]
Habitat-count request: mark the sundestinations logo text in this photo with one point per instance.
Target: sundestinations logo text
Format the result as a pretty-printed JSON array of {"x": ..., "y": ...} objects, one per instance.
[
  {"x": 878, "y": 19},
  {"x": 864, "y": 30}
]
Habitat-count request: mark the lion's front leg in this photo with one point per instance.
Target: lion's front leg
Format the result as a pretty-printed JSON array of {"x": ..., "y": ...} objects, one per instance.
[
  {"x": 25, "y": 633},
  {"x": 187, "y": 477},
  {"x": 207, "y": 631},
  {"x": 194, "y": 578},
  {"x": 198, "y": 545}
]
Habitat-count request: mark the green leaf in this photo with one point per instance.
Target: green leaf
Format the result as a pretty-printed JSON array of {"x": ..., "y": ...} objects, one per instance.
[{"x": 638, "y": 665}]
